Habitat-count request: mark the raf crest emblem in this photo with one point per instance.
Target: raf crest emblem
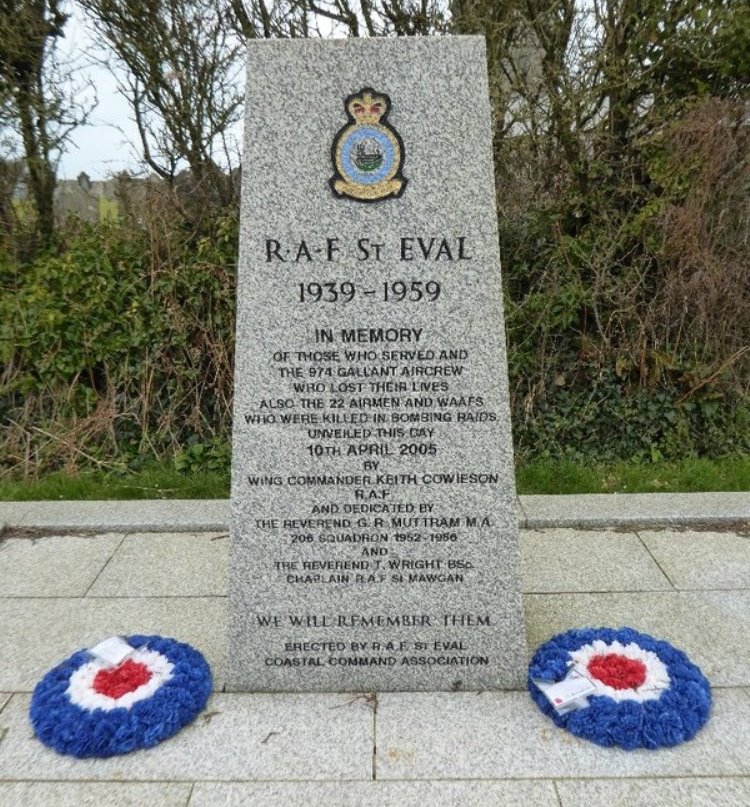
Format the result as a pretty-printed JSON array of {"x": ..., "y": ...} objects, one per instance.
[{"x": 368, "y": 152}]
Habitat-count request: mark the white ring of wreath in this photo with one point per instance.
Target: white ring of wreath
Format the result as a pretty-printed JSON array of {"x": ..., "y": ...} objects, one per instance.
[
  {"x": 81, "y": 687},
  {"x": 656, "y": 681}
]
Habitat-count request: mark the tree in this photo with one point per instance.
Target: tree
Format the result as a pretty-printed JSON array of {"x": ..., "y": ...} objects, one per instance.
[
  {"x": 180, "y": 75},
  {"x": 268, "y": 19},
  {"x": 32, "y": 96}
]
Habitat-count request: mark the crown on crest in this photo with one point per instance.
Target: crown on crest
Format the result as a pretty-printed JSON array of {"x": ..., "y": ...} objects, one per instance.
[{"x": 367, "y": 106}]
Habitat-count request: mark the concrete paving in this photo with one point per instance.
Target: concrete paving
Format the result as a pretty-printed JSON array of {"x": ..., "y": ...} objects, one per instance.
[{"x": 60, "y": 592}]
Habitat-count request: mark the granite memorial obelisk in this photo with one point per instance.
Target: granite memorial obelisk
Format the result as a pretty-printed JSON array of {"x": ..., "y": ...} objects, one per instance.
[{"x": 374, "y": 531}]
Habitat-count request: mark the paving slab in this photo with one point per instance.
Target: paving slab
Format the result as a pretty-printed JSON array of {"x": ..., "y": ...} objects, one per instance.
[
  {"x": 304, "y": 737},
  {"x": 143, "y": 515},
  {"x": 54, "y": 565},
  {"x": 594, "y": 560},
  {"x": 375, "y": 794},
  {"x": 712, "y": 627},
  {"x": 634, "y": 509},
  {"x": 36, "y": 634},
  {"x": 653, "y": 792},
  {"x": 93, "y": 794},
  {"x": 166, "y": 565},
  {"x": 503, "y": 735},
  {"x": 701, "y": 560}
]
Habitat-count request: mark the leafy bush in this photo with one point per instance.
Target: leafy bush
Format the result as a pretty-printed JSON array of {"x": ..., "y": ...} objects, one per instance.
[
  {"x": 117, "y": 345},
  {"x": 629, "y": 321}
]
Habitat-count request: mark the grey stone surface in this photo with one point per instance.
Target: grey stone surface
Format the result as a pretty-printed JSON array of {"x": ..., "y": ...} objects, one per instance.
[
  {"x": 53, "y": 566},
  {"x": 375, "y": 794},
  {"x": 701, "y": 560},
  {"x": 455, "y": 623},
  {"x": 93, "y": 794},
  {"x": 36, "y": 634},
  {"x": 323, "y": 737},
  {"x": 167, "y": 515},
  {"x": 671, "y": 792},
  {"x": 496, "y": 748},
  {"x": 534, "y": 512},
  {"x": 635, "y": 509},
  {"x": 166, "y": 564},
  {"x": 591, "y": 560},
  {"x": 503, "y": 736},
  {"x": 712, "y": 627}
]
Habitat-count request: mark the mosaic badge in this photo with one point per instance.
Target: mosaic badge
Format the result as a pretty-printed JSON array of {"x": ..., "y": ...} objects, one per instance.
[
  {"x": 644, "y": 692},
  {"x": 90, "y": 707},
  {"x": 368, "y": 153}
]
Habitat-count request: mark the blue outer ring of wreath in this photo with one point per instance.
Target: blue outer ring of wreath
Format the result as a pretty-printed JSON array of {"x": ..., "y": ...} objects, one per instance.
[
  {"x": 360, "y": 133},
  {"x": 71, "y": 729},
  {"x": 673, "y": 718}
]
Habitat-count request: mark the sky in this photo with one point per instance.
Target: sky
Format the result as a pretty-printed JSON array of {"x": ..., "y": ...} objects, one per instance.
[{"x": 107, "y": 144}]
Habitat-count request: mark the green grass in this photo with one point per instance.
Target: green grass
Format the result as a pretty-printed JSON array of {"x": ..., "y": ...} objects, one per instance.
[
  {"x": 688, "y": 476},
  {"x": 541, "y": 476},
  {"x": 153, "y": 482}
]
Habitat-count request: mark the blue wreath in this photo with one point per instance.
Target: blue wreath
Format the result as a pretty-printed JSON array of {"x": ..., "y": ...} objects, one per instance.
[
  {"x": 70, "y": 729},
  {"x": 673, "y": 718}
]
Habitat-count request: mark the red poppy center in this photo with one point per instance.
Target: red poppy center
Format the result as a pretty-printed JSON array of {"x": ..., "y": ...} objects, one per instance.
[
  {"x": 616, "y": 671},
  {"x": 127, "y": 677}
]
